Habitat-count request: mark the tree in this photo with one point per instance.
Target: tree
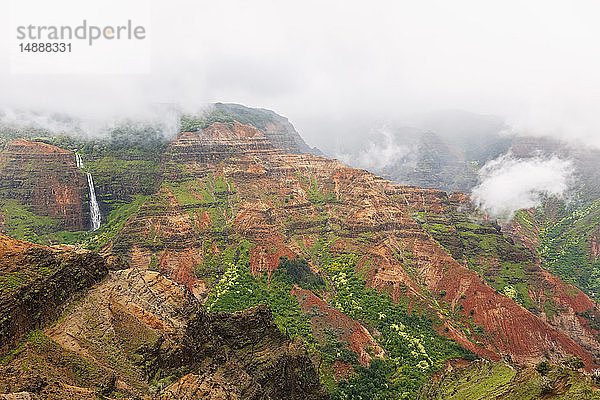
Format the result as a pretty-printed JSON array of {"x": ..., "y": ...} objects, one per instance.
[{"x": 543, "y": 367}]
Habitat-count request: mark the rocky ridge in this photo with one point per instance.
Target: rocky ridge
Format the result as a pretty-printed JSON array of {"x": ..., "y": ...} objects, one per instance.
[
  {"x": 285, "y": 204},
  {"x": 136, "y": 333},
  {"x": 227, "y": 190}
]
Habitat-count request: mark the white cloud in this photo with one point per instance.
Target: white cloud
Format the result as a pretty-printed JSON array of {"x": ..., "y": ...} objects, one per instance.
[
  {"x": 165, "y": 118},
  {"x": 508, "y": 184},
  {"x": 379, "y": 150}
]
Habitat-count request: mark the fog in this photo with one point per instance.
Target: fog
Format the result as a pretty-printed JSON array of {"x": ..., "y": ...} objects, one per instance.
[
  {"x": 334, "y": 67},
  {"x": 379, "y": 149},
  {"x": 508, "y": 184}
]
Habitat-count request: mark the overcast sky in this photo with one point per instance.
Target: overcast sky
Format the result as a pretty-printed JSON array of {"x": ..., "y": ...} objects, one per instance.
[{"x": 331, "y": 66}]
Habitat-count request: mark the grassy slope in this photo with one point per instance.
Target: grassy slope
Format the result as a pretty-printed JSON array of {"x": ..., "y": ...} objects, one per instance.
[
  {"x": 483, "y": 248},
  {"x": 565, "y": 248},
  {"x": 414, "y": 350},
  {"x": 485, "y": 380},
  {"x": 561, "y": 237}
]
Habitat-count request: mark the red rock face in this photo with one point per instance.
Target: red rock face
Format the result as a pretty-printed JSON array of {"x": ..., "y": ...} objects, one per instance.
[
  {"x": 283, "y": 203},
  {"x": 46, "y": 178},
  {"x": 568, "y": 300},
  {"x": 322, "y": 315},
  {"x": 543, "y": 286}
]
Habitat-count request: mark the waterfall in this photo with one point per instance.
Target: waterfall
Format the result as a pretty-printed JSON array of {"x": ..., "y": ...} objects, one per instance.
[
  {"x": 94, "y": 209},
  {"x": 78, "y": 161},
  {"x": 95, "y": 215}
]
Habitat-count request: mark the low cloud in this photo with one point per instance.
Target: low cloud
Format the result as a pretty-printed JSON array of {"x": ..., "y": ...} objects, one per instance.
[
  {"x": 381, "y": 150},
  {"x": 508, "y": 184},
  {"x": 163, "y": 117}
]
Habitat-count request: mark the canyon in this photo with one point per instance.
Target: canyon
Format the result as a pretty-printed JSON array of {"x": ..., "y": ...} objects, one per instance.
[{"x": 212, "y": 213}]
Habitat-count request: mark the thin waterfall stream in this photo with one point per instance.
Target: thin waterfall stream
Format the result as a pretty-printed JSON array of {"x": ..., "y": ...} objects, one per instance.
[{"x": 95, "y": 216}]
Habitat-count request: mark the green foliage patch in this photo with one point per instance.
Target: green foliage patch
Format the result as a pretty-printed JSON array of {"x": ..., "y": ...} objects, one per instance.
[
  {"x": 21, "y": 223},
  {"x": 414, "y": 350},
  {"x": 116, "y": 220},
  {"x": 565, "y": 248},
  {"x": 191, "y": 123},
  {"x": 298, "y": 272},
  {"x": 485, "y": 380}
]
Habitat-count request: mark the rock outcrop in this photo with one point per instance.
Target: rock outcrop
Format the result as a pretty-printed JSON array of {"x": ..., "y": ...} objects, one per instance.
[
  {"x": 134, "y": 334},
  {"x": 35, "y": 281},
  {"x": 46, "y": 179},
  {"x": 277, "y": 129}
]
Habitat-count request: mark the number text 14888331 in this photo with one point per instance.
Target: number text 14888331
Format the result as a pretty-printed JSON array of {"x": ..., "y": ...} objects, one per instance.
[{"x": 41, "y": 47}]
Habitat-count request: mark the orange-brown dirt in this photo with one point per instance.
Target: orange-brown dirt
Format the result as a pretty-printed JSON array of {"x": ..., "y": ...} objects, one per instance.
[
  {"x": 323, "y": 316},
  {"x": 366, "y": 215}
]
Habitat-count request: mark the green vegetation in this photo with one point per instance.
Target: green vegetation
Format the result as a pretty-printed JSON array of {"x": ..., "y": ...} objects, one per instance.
[
  {"x": 123, "y": 161},
  {"x": 256, "y": 117},
  {"x": 563, "y": 235},
  {"x": 414, "y": 350},
  {"x": 20, "y": 223},
  {"x": 334, "y": 350},
  {"x": 116, "y": 220},
  {"x": 190, "y": 123},
  {"x": 565, "y": 248},
  {"x": 501, "y": 262},
  {"x": 238, "y": 289},
  {"x": 36, "y": 339},
  {"x": 318, "y": 195},
  {"x": 485, "y": 380},
  {"x": 132, "y": 139},
  {"x": 376, "y": 382},
  {"x": 23, "y": 224},
  {"x": 543, "y": 367},
  {"x": 298, "y": 272}
]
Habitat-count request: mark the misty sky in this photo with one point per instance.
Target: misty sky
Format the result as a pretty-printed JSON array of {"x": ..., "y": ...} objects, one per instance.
[{"x": 334, "y": 68}]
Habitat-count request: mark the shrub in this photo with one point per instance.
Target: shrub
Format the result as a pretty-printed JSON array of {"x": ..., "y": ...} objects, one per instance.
[
  {"x": 298, "y": 271},
  {"x": 543, "y": 367}
]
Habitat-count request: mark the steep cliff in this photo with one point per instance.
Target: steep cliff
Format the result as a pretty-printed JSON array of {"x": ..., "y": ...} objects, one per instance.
[
  {"x": 383, "y": 281},
  {"x": 133, "y": 334},
  {"x": 231, "y": 185},
  {"x": 35, "y": 281},
  {"x": 44, "y": 180},
  {"x": 276, "y": 128}
]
